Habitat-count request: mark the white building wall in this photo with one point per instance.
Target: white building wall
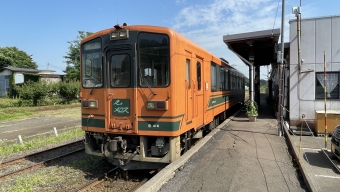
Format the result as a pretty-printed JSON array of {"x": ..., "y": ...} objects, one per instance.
[{"x": 317, "y": 35}]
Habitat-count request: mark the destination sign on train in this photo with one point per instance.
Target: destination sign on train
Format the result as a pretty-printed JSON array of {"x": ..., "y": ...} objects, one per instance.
[{"x": 91, "y": 46}]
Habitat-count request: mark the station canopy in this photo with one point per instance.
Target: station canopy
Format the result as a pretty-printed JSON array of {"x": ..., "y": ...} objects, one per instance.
[{"x": 258, "y": 47}]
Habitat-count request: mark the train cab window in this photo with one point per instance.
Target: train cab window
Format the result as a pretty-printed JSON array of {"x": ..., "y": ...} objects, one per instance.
[
  {"x": 213, "y": 77},
  {"x": 120, "y": 70},
  {"x": 92, "y": 65},
  {"x": 199, "y": 78},
  {"x": 154, "y": 59},
  {"x": 222, "y": 86}
]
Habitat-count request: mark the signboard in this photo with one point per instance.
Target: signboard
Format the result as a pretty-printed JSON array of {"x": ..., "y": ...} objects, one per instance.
[{"x": 121, "y": 107}]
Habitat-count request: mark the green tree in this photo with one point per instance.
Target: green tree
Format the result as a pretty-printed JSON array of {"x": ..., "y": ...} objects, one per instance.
[
  {"x": 263, "y": 82},
  {"x": 246, "y": 82},
  {"x": 73, "y": 57},
  {"x": 12, "y": 56}
]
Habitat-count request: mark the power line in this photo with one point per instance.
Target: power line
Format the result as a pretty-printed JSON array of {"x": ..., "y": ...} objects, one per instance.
[{"x": 277, "y": 9}]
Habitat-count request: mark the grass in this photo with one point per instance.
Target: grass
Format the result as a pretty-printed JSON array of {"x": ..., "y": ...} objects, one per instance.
[
  {"x": 40, "y": 141},
  {"x": 28, "y": 182},
  {"x": 58, "y": 177},
  {"x": 13, "y": 113}
]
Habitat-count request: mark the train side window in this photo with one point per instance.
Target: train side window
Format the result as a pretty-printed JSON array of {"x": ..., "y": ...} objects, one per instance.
[
  {"x": 226, "y": 76},
  {"x": 222, "y": 78},
  {"x": 213, "y": 77},
  {"x": 187, "y": 75},
  {"x": 236, "y": 81},
  {"x": 199, "y": 76},
  {"x": 232, "y": 81},
  {"x": 239, "y": 83}
]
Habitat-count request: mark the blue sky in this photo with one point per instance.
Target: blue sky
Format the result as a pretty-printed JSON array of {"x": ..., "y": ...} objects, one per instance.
[{"x": 42, "y": 27}]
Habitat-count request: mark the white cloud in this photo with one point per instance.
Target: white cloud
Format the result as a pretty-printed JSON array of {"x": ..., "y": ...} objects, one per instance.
[
  {"x": 178, "y": 2},
  {"x": 207, "y": 24}
]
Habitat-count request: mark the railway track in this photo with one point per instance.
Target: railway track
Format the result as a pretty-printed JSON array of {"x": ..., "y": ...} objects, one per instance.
[
  {"x": 39, "y": 159},
  {"x": 131, "y": 185}
]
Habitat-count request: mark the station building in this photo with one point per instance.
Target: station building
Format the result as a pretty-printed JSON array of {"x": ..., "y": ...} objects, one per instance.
[{"x": 316, "y": 41}]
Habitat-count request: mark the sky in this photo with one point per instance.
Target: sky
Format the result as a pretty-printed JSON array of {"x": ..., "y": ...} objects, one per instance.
[{"x": 42, "y": 28}]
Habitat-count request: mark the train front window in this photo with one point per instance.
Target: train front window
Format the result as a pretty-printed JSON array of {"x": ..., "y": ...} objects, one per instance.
[
  {"x": 120, "y": 70},
  {"x": 154, "y": 59},
  {"x": 92, "y": 65}
]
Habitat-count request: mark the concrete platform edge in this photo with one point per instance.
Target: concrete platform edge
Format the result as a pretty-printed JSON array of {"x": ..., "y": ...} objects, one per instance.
[
  {"x": 168, "y": 172},
  {"x": 302, "y": 165}
]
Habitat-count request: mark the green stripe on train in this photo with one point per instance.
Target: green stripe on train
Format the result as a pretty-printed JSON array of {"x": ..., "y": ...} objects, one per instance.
[
  {"x": 158, "y": 126},
  {"x": 99, "y": 123},
  {"x": 218, "y": 100}
]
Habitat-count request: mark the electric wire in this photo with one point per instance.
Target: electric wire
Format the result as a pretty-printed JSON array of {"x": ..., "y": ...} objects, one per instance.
[{"x": 277, "y": 9}]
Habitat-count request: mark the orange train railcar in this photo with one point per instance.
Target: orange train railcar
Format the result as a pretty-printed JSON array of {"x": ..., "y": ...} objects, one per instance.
[{"x": 146, "y": 91}]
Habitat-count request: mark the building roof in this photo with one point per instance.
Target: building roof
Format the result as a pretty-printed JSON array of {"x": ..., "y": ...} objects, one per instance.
[
  {"x": 314, "y": 18},
  {"x": 15, "y": 69}
]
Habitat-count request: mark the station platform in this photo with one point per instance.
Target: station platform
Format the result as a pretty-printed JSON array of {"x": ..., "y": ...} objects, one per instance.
[{"x": 249, "y": 156}]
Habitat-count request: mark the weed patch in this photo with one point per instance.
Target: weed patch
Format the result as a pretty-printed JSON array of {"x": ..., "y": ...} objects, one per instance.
[{"x": 40, "y": 141}]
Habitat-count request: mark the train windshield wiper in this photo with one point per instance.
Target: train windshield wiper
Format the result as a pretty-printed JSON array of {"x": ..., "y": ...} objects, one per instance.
[{"x": 146, "y": 82}]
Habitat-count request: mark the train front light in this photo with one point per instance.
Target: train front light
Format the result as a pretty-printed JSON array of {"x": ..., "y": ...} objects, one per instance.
[
  {"x": 114, "y": 35},
  {"x": 90, "y": 104},
  {"x": 117, "y": 35},
  {"x": 157, "y": 105},
  {"x": 150, "y": 105},
  {"x": 123, "y": 34}
]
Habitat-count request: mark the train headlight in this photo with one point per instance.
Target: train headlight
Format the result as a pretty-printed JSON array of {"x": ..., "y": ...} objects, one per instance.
[
  {"x": 123, "y": 34},
  {"x": 157, "y": 105},
  {"x": 90, "y": 104},
  {"x": 150, "y": 105},
  {"x": 114, "y": 35},
  {"x": 117, "y": 35}
]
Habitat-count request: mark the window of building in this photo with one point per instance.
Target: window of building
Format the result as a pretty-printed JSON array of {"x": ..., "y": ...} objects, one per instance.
[{"x": 332, "y": 85}]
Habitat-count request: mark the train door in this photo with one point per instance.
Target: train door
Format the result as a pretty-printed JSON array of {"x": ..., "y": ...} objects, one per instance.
[
  {"x": 199, "y": 101},
  {"x": 121, "y": 97},
  {"x": 189, "y": 95}
]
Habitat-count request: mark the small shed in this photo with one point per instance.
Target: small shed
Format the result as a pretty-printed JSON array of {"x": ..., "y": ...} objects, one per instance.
[{"x": 18, "y": 77}]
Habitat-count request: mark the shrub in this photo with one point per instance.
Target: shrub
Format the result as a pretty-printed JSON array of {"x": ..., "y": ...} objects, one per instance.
[
  {"x": 33, "y": 91},
  {"x": 251, "y": 108},
  {"x": 69, "y": 90}
]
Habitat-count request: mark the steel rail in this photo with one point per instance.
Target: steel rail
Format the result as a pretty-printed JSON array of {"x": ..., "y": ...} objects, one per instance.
[
  {"x": 20, "y": 159},
  {"x": 40, "y": 164}
]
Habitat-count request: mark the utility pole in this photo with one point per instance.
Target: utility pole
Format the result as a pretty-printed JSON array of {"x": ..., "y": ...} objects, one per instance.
[{"x": 280, "y": 72}]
